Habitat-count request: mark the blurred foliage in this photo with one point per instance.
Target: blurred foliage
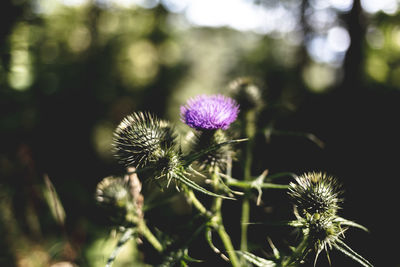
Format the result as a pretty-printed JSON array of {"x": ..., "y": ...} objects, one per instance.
[{"x": 68, "y": 74}]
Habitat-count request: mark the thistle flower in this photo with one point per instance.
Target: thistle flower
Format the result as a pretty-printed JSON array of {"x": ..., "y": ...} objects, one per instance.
[
  {"x": 142, "y": 138},
  {"x": 315, "y": 193},
  {"x": 209, "y": 112}
]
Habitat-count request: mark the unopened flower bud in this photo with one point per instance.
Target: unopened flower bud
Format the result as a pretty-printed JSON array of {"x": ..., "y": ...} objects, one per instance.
[
  {"x": 114, "y": 195},
  {"x": 315, "y": 193},
  {"x": 216, "y": 158},
  {"x": 141, "y": 138},
  {"x": 246, "y": 92}
]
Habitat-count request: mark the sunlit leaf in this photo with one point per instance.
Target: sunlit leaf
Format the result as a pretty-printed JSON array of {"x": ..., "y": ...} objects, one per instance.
[{"x": 257, "y": 261}]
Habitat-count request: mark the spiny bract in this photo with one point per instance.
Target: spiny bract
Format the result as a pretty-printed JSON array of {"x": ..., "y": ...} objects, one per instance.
[
  {"x": 141, "y": 138},
  {"x": 315, "y": 192}
]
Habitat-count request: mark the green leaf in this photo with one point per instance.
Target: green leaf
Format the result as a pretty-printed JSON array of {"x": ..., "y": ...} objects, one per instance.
[
  {"x": 345, "y": 249},
  {"x": 52, "y": 199},
  {"x": 346, "y": 222},
  {"x": 276, "y": 252},
  {"x": 258, "y": 261},
  {"x": 183, "y": 179}
]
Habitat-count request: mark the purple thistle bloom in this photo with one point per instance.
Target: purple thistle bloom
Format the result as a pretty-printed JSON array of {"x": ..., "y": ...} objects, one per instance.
[{"x": 209, "y": 112}]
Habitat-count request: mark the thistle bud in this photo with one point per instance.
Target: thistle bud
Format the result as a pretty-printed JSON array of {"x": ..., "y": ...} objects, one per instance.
[
  {"x": 246, "y": 92},
  {"x": 215, "y": 158},
  {"x": 115, "y": 196},
  {"x": 141, "y": 138},
  {"x": 315, "y": 193},
  {"x": 316, "y": 200},
  {"x": 112, "y": 194}
]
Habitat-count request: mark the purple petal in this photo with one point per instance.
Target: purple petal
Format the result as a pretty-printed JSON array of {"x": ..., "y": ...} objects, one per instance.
[{"x": 209, "y": 112}]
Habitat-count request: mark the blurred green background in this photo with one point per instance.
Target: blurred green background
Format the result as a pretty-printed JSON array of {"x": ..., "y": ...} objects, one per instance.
[{"x": 70, "y": 70}]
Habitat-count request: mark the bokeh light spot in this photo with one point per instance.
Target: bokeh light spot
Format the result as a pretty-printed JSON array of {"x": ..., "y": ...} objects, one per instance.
[
  {"x": 377, "y": 68},
  {"x": 338, "y": 39},
  {"x": 79, "y": 39},
  {"x": 319, "y": 77}
]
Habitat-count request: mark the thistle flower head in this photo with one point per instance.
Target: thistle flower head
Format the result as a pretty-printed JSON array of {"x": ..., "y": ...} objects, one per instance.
[
  {"x": 142, "y": 138},
  {"x": 209, "y": 112},
  {"x": 315, "y": 193}
]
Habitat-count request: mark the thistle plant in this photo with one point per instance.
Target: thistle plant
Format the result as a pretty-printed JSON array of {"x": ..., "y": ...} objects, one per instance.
[{"x": 149, "y": 149}]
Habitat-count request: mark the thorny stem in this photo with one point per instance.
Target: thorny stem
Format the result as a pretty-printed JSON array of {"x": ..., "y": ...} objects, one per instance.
[
  {"x": 218, "y": 225},
  {"x": 250, "y": 129}
]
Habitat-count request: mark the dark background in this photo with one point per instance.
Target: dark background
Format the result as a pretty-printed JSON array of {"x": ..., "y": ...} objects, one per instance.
[{"x": 67, "y": 78}]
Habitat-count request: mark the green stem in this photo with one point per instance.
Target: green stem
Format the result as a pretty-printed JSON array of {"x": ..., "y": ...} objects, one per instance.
[
  {"x": 244, "y": 223},
  {"x": 218, "y": 224},
  {"x": 249, "y": 185},
  {"x": 127, "y": 235},
  {"x": 250, "y": 133},
  {"x": 196, "y": 203},
  {"x": 217, "y": 203},
  {"x": 145, "y": 231},
  {"x": 226, "y": 240}
]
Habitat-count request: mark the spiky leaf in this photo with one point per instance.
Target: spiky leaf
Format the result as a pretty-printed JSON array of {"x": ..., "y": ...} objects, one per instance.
[{"x": 257, "y": 261}]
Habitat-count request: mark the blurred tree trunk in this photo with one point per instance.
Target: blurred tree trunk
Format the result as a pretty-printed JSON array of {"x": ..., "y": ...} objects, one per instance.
[{"x": 354, "y": 61}]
